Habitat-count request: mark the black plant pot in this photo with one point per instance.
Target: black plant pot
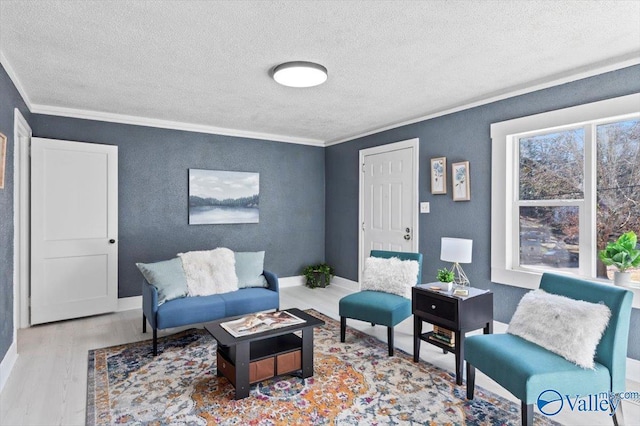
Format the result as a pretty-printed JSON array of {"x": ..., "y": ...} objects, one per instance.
[{"x": 319, "y": 280}]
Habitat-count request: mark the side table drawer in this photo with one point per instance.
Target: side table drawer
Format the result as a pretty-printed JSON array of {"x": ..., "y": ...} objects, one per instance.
[{"x": 441, "y": 308}]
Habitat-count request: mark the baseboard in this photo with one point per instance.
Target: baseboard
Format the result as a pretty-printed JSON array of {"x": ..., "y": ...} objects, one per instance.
[
  {"x": 291, "y": 281},
  {"x": 345, "y": 283},
  {"x": 7, "y": 363},
  {"x": 337, "y": 281},
  {"x": 129, "y": 303},
  {"x": 135, "y": 302}
]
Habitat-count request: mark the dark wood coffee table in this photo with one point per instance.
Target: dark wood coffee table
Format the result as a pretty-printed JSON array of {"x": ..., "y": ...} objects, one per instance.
[{"x": 250, "y": 359}]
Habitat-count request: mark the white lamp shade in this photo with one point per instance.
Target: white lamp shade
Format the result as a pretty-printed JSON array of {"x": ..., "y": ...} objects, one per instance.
[
  {"x": 300, "y": 74},
  {"x": 456, "y": 250}
]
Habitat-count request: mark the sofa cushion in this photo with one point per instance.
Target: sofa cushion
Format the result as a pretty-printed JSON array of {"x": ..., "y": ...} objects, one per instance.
[
  {"x": 569, "y": 327},
  {"x": 167, "y": 277},
  {"x": 247, "y": 300},
  {"x": 190, "y": 310},
  {"x": 249, "y": 267},
  {"x": 390, "y": 275}
]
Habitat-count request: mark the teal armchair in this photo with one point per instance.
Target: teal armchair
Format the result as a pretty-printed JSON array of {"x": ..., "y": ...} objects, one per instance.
[
  {"x": 527, "y": 370},
  {"x": 377, "y": 307}
]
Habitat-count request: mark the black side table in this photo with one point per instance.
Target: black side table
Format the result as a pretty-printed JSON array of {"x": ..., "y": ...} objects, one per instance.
[{"x": 459, "y": 314}]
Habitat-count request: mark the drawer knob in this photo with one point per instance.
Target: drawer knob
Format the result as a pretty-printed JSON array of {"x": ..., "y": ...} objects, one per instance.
[{"x": 433, "y": 306}]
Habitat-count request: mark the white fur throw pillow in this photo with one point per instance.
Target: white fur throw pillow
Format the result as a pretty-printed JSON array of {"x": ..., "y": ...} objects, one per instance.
[
  {"x": 210, "y": 271},
  {"x": 390, "y": 275},
  {"x": 568, "y": 327}
]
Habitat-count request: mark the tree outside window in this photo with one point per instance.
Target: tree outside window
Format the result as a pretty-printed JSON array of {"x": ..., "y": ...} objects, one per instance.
[
  {"x": 553, "y": 180},
  {"x": 618, "y": 184}
]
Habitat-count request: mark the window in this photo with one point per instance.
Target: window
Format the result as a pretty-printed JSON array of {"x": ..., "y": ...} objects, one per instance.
[
  {"x": 564, "y": 184},
  {"x": 550, "y": 196},
  {"x": 618, "y": 184}
]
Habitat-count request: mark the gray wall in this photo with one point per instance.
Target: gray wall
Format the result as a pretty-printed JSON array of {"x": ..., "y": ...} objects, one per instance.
[
  {"x": 9, "y": 99},
  {"x": 153, "y": 193},
  {"x": 460, "y": 136}
]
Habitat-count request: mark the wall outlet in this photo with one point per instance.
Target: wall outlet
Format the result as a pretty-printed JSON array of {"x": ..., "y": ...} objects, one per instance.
[{"x": 424, "y": 207}]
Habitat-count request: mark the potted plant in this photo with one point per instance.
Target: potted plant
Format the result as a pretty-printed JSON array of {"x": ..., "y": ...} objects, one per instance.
[
  {"x": 623, "y": 255},
  {"x": 318, "y": 275},
  {"x": 446, "y": 276}
]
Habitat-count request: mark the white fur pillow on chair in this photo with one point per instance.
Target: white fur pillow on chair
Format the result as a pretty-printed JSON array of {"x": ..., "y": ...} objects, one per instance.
[
  {"x": 389, "y": 275},
  {"x": 568, "y": 327},
  {"x": 210, "y": 271}
]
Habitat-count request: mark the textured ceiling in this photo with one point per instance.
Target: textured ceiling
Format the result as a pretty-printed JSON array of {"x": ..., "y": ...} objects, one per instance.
[{"x": 207, "y": 63}]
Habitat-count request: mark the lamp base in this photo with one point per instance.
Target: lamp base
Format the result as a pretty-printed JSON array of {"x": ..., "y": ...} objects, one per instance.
[{"x": 460, "y": 277}]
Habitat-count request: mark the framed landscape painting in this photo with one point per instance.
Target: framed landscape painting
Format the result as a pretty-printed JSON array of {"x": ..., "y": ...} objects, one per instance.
[
  {"x": 461, "y": 190},
  {"x": 439, "y": 175},
  {"x": 223, "y": 197}
]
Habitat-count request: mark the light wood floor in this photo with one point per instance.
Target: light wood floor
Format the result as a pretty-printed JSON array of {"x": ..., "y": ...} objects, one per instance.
[{"x": 49, "y": 380}]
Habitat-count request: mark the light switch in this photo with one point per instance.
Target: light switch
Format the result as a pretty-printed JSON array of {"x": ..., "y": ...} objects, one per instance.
[{"x": 424, "y": 207}]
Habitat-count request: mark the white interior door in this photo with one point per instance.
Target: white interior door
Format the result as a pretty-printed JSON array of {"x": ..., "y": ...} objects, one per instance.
[
  {"x": 74, "y": 229},
  {"x": 389, "y": 198}
]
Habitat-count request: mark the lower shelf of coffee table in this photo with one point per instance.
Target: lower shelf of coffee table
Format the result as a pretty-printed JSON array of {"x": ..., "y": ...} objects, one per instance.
[{"x": 267, "y": 358}]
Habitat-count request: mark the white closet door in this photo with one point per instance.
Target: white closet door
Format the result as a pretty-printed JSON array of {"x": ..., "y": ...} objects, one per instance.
[{"x": 74, "y": 229}]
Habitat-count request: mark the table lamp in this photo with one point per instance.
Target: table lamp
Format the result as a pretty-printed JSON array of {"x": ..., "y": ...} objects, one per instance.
[{"x": 456, "y": 250}]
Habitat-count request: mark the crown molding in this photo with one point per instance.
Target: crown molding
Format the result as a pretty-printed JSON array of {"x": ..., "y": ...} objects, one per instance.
[
  {"x": 167, "y": 124},
  {"x": 143, "y": 121},
  {"x": 14, "y": 78},
  {"x": 628, "y": 61}
]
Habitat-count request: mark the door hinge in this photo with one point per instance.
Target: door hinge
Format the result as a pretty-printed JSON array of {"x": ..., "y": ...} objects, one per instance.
[
  {"x": 363, "y": 227},
  {"x": 363, "y": 167}
]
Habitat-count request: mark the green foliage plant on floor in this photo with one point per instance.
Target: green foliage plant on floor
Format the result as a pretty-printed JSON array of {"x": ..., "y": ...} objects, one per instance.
[
  {"x": 318, "y": 275},
  {"x": 622, "y": 253}
]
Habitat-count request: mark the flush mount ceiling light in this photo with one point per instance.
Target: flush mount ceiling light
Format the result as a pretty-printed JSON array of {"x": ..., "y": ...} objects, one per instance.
[{"x": 300, "y": 74}]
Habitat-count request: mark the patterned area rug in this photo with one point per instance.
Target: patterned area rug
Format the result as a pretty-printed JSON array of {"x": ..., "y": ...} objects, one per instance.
[{"x": 354, "y": 383}]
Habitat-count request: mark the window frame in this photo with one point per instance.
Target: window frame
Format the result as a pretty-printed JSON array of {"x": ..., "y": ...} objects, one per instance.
[{"x": 505, "y": 246}]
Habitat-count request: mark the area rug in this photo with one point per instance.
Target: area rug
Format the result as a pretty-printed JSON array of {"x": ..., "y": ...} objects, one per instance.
[{"x": 354, "y": 383}]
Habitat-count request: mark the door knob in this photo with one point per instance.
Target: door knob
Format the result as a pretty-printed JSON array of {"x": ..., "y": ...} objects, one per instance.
[
  {"x": 407, "y": 237},
  {"x": 112, "y": 241}
]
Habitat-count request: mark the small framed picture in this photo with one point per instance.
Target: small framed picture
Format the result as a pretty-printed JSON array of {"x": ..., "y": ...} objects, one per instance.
[
  {"x": 460, "y": 175},
  {"x": 3, "y": 158},
  {"x": 439, "y": 175}
]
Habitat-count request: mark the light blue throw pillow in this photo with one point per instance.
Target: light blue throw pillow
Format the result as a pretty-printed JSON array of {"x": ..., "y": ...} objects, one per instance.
[
  {"x": 249, "y": 267},
  {"x": 168, "y": 277}
]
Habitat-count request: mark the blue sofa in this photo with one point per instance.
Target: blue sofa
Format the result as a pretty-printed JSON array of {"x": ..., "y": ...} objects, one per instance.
[{"x": 199, "y": 309}]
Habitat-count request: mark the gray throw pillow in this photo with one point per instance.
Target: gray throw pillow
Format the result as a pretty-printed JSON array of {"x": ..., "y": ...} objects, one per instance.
[
  {"x": 249, "y": 267},
  {"x": 167, "y": 277}
]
